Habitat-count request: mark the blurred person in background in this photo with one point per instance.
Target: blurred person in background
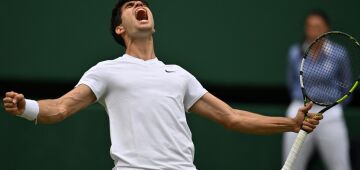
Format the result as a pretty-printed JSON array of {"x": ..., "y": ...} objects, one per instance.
[{"x": 331, "y": 137}]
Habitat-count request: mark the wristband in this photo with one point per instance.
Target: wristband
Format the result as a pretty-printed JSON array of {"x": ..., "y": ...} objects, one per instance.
[{"x": 31, "y": 110}]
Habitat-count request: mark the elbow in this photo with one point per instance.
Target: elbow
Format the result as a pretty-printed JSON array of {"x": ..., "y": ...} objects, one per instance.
[
  {"x": 229, "y": 126},
  {"x": 60, "y": 115},
  {"x": 52, "y": 119},
  {"x": 230, "y": 122},
  {"x": 235, "y": 122}
]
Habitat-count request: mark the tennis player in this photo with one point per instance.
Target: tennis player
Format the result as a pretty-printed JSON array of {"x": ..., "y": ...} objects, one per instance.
[{"x": 146, "y": 101}]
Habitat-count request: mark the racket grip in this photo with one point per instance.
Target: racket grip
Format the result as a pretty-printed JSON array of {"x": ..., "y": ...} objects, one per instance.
[{"x": 300, "y": 138}]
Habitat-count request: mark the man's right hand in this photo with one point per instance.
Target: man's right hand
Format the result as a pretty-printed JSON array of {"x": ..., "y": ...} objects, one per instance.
[{"x": 14, "y": 103}]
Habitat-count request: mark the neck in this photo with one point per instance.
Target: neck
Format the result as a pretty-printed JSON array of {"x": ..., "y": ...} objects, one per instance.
[{"x": 141, "y": 48}]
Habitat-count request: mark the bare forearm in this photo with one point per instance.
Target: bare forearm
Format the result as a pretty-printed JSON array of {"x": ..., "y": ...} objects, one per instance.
[
  {"x": 243, "y": 121},
  {"x": 51, "y": 111},
  {"x": 56, "y": 110},
  {"x": 249, "y": 122}
]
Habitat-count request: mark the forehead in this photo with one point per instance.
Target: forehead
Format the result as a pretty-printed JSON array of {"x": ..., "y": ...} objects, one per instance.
[
  {"x": 131, "y": 1},
  {"x": 315, "y": 19}
]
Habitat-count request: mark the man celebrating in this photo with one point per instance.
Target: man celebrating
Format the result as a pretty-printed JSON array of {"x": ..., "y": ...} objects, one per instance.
[{"x": 146, "y": 101}]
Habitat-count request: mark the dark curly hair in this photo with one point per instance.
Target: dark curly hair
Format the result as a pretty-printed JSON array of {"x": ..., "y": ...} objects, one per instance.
[
  {"x": 320, "y": 13},
  {"x": 116, "y": 19}
]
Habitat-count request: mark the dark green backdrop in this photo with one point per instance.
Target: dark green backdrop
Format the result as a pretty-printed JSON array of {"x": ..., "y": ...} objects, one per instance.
[
  {"x": 236, "y": 43},
  {"x": 228, "y": 42}
]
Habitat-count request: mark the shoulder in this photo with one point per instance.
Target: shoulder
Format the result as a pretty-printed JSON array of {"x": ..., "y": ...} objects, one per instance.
[
  {"x": 294, "y": 51},
  {"x": 180, "y": 72},
  {"x": 295, "y": 48},
  {"x": 103, "y": 64},
  {"x": 176, "y": 68},
  {"x": 101, "y": 68},
  {"x": 334, "y": 45},
  {"x": 106, "y": 63}
]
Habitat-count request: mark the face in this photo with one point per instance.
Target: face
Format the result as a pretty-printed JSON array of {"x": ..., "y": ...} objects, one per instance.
[
  {"x": 314, "y": 27},
  {"x": 137, "y": 20}
]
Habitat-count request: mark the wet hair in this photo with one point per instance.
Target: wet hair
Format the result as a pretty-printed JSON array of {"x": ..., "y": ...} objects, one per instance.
[{"x": 116, "y": 19}]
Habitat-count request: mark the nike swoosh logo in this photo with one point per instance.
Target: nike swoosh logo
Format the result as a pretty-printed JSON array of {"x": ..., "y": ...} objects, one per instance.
[{"x": 169, "y": 71}]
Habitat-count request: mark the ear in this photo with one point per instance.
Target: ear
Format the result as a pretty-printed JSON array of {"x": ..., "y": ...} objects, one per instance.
[{"x": 119, "y": 30}]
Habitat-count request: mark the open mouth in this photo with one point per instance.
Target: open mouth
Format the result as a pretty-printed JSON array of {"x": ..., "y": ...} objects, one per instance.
[{"x": 141, "y": 15}]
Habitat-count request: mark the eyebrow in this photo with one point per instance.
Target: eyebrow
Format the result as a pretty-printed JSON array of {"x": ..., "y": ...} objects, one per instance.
[{"x": 144, "y": 2}]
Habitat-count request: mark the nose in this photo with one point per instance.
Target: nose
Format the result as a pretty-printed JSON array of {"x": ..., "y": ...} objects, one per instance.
[{"x": 139, "y": 3}]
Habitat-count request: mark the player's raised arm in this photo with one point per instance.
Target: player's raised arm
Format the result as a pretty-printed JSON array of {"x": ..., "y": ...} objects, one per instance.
[
  {"x": 50, "y": 110},
  {"x": 243, "y": 121}
]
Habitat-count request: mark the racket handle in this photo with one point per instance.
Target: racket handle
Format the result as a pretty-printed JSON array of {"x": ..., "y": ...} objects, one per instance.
[{"x": 300, "y": 138}]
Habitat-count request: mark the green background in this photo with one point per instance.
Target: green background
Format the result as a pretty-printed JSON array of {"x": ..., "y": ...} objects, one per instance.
[
  {"x": 237, "y": 43},
  {"x": 227, "y": 42}
]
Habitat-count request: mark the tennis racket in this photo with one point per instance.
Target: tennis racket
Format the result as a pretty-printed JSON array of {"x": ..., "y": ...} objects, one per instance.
[{"x": 329, "y": 75}]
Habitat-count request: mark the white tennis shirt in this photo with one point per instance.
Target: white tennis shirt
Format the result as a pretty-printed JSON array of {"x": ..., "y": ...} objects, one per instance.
[{"x": 146, "y": 103}]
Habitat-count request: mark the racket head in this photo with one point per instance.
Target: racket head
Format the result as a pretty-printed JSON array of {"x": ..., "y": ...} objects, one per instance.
[{"x": 329, "y": 71}]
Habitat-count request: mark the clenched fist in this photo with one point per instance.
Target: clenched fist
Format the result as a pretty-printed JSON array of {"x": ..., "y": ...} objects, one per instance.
[{"x": 14, "y": 103}]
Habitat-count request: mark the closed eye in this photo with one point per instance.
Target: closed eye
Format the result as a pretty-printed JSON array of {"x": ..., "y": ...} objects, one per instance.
[{"x": 130, "y": 5}]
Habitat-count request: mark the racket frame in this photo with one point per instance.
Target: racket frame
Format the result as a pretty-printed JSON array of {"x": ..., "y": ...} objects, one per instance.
[
  {"x": 300, "y": 138},
  {"x": 352, "y": 89}
]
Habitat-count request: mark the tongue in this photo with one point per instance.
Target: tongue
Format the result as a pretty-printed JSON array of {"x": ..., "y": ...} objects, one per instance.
[{"x": 141, "y": 15}]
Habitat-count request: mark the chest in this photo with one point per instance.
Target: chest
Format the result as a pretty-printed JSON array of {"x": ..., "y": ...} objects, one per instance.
[{"x": 140, "y": 81}]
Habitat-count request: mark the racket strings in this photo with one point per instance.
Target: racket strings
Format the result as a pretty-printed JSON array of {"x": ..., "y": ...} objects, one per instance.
[{"x": 327, "y": 70}]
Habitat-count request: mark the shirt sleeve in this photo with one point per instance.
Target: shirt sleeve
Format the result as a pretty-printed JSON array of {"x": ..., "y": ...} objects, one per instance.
[
  {"x": 194, "y": 91},
  {"x": 95, "y": 81}
]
